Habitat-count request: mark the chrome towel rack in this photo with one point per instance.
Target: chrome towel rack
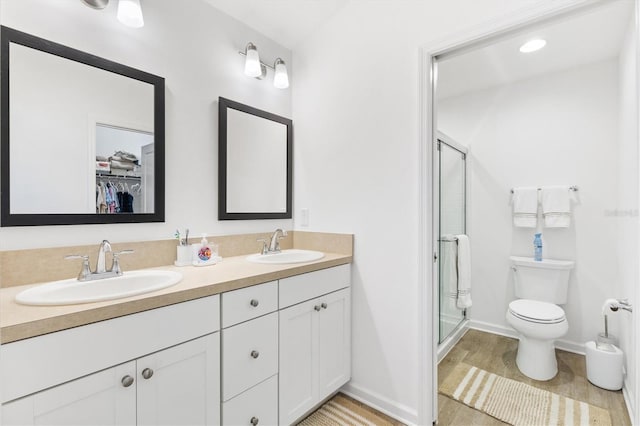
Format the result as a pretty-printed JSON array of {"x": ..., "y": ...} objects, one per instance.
[{"x": 573, "y": 188}]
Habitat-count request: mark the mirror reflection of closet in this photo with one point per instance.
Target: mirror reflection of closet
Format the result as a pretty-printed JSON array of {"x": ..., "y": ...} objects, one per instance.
[{"x": 124, "y": 162}]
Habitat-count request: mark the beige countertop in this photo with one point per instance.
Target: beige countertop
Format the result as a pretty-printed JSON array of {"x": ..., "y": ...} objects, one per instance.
[{"x": 19, "y": 322}]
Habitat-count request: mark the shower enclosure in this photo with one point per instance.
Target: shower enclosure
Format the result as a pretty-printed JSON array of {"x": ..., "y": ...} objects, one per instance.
[{"x": 452, "y": 208}]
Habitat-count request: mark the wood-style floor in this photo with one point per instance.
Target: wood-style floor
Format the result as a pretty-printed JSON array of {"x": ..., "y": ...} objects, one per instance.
[{"x": 497, "y": 354}]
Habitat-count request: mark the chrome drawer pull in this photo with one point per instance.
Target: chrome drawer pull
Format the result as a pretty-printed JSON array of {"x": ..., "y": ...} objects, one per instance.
[
  {"x": 255, "y": 354},
  {"x": 147, "y": 373},
  {"x": 254, "y": 421},
  {"x": 127, "y": 381},
  {"x": 254, "y": 302},
  {"x": 317, "y": 308},
  {"x": 324, "y": 305}
]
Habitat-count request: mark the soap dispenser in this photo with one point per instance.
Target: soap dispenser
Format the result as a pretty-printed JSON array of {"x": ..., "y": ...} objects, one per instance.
[
  {"x": 537, "y": 248},
  {"x": 204, "y": 254}
]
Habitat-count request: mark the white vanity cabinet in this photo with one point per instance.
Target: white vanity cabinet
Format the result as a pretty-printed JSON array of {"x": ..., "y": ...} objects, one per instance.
[
  {"x": 264, "y": 354},
  {"x": 315, "y": 339},
  {"x": 155, "y": 367},
  {"x": 99, "y": 398},
  {"x": 250, "y": 355}
]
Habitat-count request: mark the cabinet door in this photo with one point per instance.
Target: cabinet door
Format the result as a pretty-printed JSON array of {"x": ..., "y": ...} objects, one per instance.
[
  {"x": 98, "y": 399},
  {"x": 334, "y": 342},
  {"x": 298, "y": 375},
  {"x": 181, "y": 385}
]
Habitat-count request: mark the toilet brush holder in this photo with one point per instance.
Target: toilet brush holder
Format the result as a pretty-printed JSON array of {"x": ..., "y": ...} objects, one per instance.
[{"x": 604, "y": 365}]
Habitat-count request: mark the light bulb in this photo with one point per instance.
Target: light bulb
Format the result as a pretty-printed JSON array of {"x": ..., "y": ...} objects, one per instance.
[
  {"x": 280, "y": 79},
  {"x": 532, "y": 45},
  {"x": 252, "y": 67},
  {"x": 130, "y": 13}
]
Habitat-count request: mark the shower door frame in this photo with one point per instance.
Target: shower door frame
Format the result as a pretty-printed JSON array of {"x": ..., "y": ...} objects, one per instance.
[{"x": 442, "y": 138}]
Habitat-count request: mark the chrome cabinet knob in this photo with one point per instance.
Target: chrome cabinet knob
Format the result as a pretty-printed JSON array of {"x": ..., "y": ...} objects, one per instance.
[
  {"x": 254, "y": 302},
  {"x": 317, "y": 308},
  {"x": 255, "y": 421},
  {"x": 255, "y": 354},
  {"x": 324, "y": 305},
  {"x": 147, "y": 373},
  {"x": 127, "y": 381}
]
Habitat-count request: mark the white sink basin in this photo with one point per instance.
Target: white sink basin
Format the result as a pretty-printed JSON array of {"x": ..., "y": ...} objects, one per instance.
[
  {"x": 287, "y": 256},
  {"x": 72, "y": 291}
]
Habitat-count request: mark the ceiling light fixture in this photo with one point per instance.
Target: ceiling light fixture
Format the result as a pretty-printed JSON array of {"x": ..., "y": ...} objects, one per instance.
[
  {"x": 130, "y": 13},
  {"x": 533, "y": 45},
  {"x": 254, "y": 67}
]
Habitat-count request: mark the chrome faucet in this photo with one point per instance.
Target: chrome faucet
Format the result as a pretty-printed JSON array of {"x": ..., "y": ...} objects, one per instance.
[
  {"x": 101, "y": 270},
  {"x": 105, "y": 247},
  {"x": 622, "y": 304},
  {"x": 274, "y": 243}
]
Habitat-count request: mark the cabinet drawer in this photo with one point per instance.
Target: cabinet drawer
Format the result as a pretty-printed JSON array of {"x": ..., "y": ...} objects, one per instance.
[
  {"x": 307, "y": 286},
  {"x": 259, "y": 402},
  {"x": 248, "y": 303},
  {"x": 249, "y": 354}
]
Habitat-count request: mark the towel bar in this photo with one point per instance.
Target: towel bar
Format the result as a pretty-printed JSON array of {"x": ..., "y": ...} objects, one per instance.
[{"x": 573, "y": 188}]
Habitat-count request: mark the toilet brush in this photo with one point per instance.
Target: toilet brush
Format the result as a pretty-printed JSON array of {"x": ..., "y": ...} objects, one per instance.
[{"x": 604, "y": 341}]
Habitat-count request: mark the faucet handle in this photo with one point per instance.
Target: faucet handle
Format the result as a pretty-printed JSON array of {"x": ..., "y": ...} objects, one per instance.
[
  {"x": 85, "y": 272},
  {"x": 115, "y": 266},
  {"x": 265, "y": 248}
]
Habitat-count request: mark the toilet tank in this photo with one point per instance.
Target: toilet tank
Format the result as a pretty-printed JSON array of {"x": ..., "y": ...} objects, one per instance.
[{"x": 546, "y": 281}]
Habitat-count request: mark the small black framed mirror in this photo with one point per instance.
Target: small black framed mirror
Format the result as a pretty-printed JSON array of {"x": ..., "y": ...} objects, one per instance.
[
  {"x": 82, "y": 140},
  {"x": 255, "y": 160}
]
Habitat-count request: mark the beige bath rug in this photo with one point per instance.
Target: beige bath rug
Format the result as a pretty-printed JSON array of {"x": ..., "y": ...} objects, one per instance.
[
  {"x": 517, "y": 403},
  {"x": 342, "y": 411}
]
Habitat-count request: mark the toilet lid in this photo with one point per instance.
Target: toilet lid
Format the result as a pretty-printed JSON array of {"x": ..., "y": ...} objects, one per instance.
[{"x": 536, "y": 311}]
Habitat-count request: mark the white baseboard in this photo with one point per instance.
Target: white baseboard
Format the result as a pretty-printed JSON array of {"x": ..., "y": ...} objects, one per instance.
[
  {"x": 400, "y": 412},
  {"x": 565, "y": 345}
]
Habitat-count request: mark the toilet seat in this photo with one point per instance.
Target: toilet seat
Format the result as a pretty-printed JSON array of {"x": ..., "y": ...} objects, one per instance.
[{"x": 536, "y": 311}]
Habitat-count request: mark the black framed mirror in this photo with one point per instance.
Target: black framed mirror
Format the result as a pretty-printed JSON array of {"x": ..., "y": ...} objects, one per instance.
[
  {"x": 255, "y": 160},
  {"x": 82, "y": 138}
]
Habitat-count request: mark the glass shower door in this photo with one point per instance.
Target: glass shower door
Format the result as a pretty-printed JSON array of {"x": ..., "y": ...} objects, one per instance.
[{"x": 452, "y": 190}]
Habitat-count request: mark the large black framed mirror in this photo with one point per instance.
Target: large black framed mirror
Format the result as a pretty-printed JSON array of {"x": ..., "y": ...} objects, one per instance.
[
  {"x": 82, "y": 138},
  {"x": 255, "y": 160}
]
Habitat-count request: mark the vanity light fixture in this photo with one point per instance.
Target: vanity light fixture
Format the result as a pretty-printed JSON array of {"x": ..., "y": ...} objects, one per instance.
[
  {"x": 254, "y": 67},
  {"x": 96, "y": 4},
  {"x": 280, "y": 78},
  {"x": 533, "y": 45},
  {"x": 130, "y": 13}
]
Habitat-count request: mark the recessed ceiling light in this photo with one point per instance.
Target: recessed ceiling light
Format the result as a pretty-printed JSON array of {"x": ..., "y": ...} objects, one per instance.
[{"x": 532, "y": 45}]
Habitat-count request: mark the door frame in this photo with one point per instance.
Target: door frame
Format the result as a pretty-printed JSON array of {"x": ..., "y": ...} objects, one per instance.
[{"x": 427, "y": 225}]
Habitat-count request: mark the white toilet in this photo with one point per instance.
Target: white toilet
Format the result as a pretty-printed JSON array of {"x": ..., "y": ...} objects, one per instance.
[{"x": 540, "y": 287}]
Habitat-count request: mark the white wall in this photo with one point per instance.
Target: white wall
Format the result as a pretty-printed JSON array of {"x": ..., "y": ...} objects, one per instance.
[
  {"x": 627, "y": 209},
  {"x": 355, "y": 100},
  {"x": 194, "y": 47},
  {"x": 555, "y": 129}
]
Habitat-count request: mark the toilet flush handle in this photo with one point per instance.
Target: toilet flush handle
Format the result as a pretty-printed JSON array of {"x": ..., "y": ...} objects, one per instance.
[{"x": 514, "y": 268}]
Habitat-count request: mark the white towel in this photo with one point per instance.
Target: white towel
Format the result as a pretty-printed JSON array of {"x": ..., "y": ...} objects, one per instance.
[
  {"x": 525, "y": 207},
  {"x": 556, "y": 206},
  {"x": 464, "y": 273},
  {"x": 449, "y": 258}
]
